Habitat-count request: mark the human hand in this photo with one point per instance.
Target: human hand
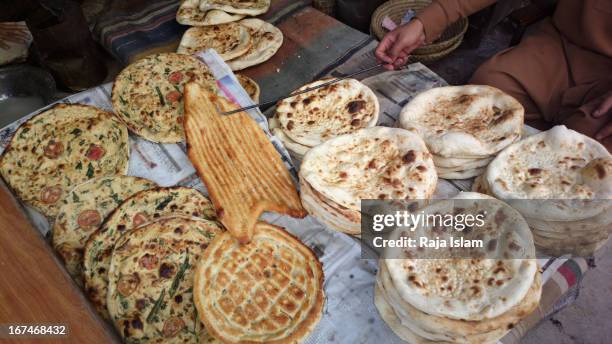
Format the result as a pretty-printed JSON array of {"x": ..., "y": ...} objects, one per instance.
[
  {"x": 13, "y": 33},
  {"x": 604, "y": 109},
  {"x": 397, "y": 45}
]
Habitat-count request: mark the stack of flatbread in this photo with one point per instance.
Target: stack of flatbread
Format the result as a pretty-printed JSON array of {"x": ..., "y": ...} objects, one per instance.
[
  {"x": 464, "y": 127},
  {"x": 220, "y": 25},
  {"x": 561, "y": 181},
  {"x": 373, "y": 163},
  {"x": 307, "y": 120},
  {"x": 461, "y": 299}
]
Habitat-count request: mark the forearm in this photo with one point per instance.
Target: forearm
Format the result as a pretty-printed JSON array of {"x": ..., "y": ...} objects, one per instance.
[{"x": 441, "y": 13}]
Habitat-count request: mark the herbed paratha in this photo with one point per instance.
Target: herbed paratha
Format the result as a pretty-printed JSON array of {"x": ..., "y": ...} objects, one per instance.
[
  {"x": 148, "y": 94},
  {"x": 315, "y": 117},
  {"x": 141, "y": 208},
  {"x": 460, "y": 288},
  {"x": 463, "y": 121},
  {"x": 267, "y": 291},
  {"x": 83, "y": 211},
  {"x": 189, "y": 13},
  {"x": 373, "y": 163},
  {"x": 565, "y": 174},
  {"x": 150, "y": 291},
  {"x": 248, "y": 7},
  {"x": 266, "y": 39},
  {"x": 229, "y": 40},
  {"x": 61, "y": 147}
]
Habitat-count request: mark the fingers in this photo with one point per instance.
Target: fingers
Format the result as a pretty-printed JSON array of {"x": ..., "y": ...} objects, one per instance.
[
  {"x": 604, "y": 107},
  {"x": 382, "y": 49},
  {"x": 605, "y": 132}
]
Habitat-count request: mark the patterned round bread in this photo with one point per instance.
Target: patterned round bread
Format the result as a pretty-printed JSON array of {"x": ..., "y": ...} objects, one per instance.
[
  {"x": 60, "y": 148},
  {"x": 84, "y": 210},
  {"x": 266, "y": 39},
  {"x": 150, "y": 290},
  {"x": 267, "y": 291},
  {"x": 315, "y": 117},
  {"x": 141, "y": 208},
  {"x": 464, "y": 121}
]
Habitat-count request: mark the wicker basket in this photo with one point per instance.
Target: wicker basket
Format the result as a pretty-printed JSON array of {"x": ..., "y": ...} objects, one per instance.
[
  {"x": 444, "y": 45},
  {"x": 326, "y": 6}
]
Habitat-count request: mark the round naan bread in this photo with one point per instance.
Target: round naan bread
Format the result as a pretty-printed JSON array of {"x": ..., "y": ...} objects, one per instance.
[
  {"x": 374, "y": 163},
  {"x": 464, "y": 121},
  {"x": 266, "y": 39},
  {"x": 189, "y": 13},
  {"x": 315, "y": 117},
  {"x": 148, "y": 94},
  {"x": 229, "y": 40},
  {"x": 448, "y": 284},
  {"x": 150, "y": 290},
  {"x": 83, "y": 211},
  {"x": 60, "y": 148},
  {"x": 267, "y": 291},
  {"x": 141, "y": 208},
  {"x": 556, "y": 175},
  {"x": 247, "y": 7}
]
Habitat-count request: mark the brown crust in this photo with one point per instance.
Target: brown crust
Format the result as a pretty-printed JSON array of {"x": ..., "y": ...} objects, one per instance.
[
  {"x": 243, "y": 180},
  {"x": 311, "y": 320}
]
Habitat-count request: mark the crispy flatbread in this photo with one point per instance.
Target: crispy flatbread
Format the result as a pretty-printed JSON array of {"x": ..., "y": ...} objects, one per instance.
[
  {"x": 242, "y": 171},
  {"x": 141, "y": 208},
  {"x": 229, "y": 40},
  {"x": 267, "y": 291},
  {"x": 150, "y": 290},
  {"x": 315, "y": 117},
  {"x": 247, "y": 7},
  {"x": 60, "y": 148},
  {"x": 266, "y": 39},
  {"x": 83, "y": 211},
  {"x": 189, "y": 13},
  {"x": 463, "y": 121}
]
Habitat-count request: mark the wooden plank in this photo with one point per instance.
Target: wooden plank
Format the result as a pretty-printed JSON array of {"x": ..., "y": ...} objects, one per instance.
[{"x": 35, "y": 288}]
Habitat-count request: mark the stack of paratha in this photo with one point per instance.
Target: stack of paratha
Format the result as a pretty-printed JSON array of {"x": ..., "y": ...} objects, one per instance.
[
  {"x": 460, "y": 299},
  {"x": 241, "y": 44},
  {"x": 213, "y": 12},
  {"x": 464, "y": 127},
  {"x": 373, "y": 163},
  {"x": 148, "y": 94},
  {"x": 307, "y": 120},
  {"x": 561, "y": 181}
]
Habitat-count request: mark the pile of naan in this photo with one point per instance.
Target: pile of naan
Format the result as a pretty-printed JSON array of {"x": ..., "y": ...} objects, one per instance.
[
  {"x": 221, "y": 25},
  {"x": 460, "y": 299},
  {"x": 561, "y": 181},
  {"x": 464, "y": 127},
  {"x": 306, "y": 120},
  {"x": 373, "y": 163}
]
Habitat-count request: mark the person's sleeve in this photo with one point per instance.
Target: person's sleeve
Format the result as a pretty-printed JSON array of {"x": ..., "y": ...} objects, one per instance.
[{"x": 441, "y": 13}]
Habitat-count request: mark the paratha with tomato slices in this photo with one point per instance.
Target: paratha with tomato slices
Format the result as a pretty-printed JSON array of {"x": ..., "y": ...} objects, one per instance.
[
  {"x": 60, "y": 148},
  {"x": 248, "y": 7},
  {"x": 148, "y": 94},
  {"x": 150, "y": 290},
  {"x": 143, "y": 207},
  {"x": 83, "y": 211}
]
